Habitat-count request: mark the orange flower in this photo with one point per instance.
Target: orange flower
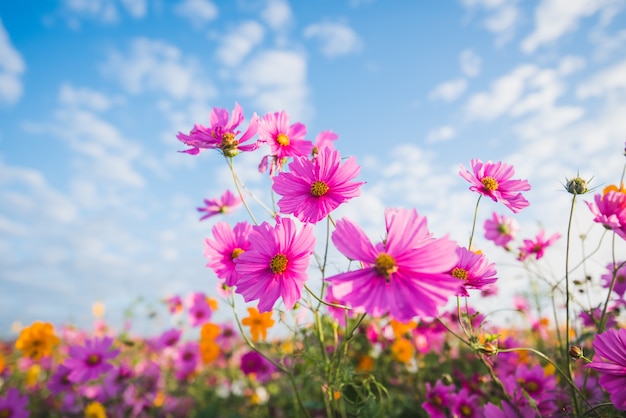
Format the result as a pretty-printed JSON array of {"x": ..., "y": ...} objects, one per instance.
[
  {"x": 209, "y": 351},
  {"x": 37, "y": 340},
  {"x": 209, "y": 332},
  {"x": 366, "y": 364},
  {"x": 401, "y": 328},
  {"x": 258, "y": 323},
  {"x": 402, "y": 350}
]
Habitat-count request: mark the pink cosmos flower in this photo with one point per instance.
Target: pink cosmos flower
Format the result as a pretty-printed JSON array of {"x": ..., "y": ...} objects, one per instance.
[
  {"x": 620, "y": 278},
  {"x": 254, "y": 363},
  {"x": 313, "y": 189},
  {"x": 438, "y": 399},
  {"x": 465, "y": 404},
  {"x": 284, "y": 140},
  {"x": 199, "y": 309},
  {"x": 59, "y": 381},
  {"x": 609, "y": 210},
  {"x": 222, "y": 134},
  {"x": 474, "y": 270},
  {"x": 537, "y": 246},
  {"x": 14, "y": 404},
  {"x": 174, "y": 304},
  {"x": 610, "y": 361},
  {"x": 324, "y": 140},
  {"x": 186, "y": 360},
  {"x": 501, "y": 229},
  {"x": 405, "y": 275},
  {"x": 92, "y": 360},
  {"x": 494, "y": 180},
  {"x": 225, "y": 248},
  {"x": 275, "y": 266},
  {"x": 539, "y": 386},
  {"x": 227, "y": 203}
]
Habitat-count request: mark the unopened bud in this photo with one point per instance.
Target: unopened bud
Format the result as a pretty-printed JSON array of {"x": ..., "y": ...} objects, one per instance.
[
  {"x": 575, "y": 352},
  {"x": 489, "y": 349},
  {"x": 577, "y": 185}
]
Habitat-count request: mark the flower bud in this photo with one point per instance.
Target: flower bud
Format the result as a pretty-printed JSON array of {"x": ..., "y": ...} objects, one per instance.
[
  {"x": 489, "y": 349},
  {"x": 577, "y": 185},
  {"x": 575, "y": 352}
]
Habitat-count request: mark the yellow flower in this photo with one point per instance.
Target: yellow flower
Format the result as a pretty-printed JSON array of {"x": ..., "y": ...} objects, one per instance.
[
  {"x": 37, "y": 340},
  {"x": 209, "y": 332},
  {"x": 32, "y": 375},
  {"x": 402, "y": 350},
  {"x": 98, "y": 309},
  {"x": 209, "y": 351},
  {"x": 95, "y": 410},
  {"x": 258, "y": 323},
  {"x": 2, "y": 363},
  {"x": 159, "y": 399}
]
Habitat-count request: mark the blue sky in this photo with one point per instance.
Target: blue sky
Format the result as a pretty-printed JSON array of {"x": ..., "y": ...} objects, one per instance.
[{"x": 97, "y": 204}]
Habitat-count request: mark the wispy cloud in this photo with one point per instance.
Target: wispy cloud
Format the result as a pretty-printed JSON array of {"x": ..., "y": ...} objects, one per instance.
[
  {"x": 198, "y": 12},
  {"x": 239, "y": 42},
  {"x": 11, "y": 68},
  {"x": 335, "y": 38},
  {"x": 278, "y": 15},
  {"x": 502, "y": 17},
  {"x": 449, "y": 91},
  {"x": 102, "y": 11},
  {"x": 471, "y": 64}
]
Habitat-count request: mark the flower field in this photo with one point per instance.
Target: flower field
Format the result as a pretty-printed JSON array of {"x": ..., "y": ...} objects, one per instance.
[{"x": 392, "y": 331}]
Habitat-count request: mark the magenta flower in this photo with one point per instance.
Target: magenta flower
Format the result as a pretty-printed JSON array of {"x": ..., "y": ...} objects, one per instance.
[
  {"x": 59, "y": 381},
  {"x": 227, "y": 203},
  {"x": 276, "y": 264},
  {"x": 313, "y": 189},
  {"x": 90, "y": 361},
  {"x": 222, "y": 134},
  {"x": 438, "y": 399},
  {"x": 465, "y": 404},
  {"x": 539, "y": 386},
  {"x": 610, "y": 361},
  {"x": 609, "y": 210},
  {"x": 14, "y": 404},
  {"x": 620, "y": 278},
  {"x": 537, "y": 246},
  {"x": 186, "y": 360},
  {"x": 199, "y": 309},
  {"x": 254, "y": 363},
  {"x": 405, "y": 275},
  {"x": 284, "y": 140},
  {"x": 168, "y": 338},
  {"x": 501, "y": 229},
  {"x": 174, "y": 304},
  {"x": 494, "y": 180},
  {"x": 474, "y": 270},
  {"x": 225, "y": 248}
]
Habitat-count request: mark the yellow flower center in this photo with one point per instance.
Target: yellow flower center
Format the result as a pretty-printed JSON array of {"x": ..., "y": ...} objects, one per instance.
[
  {"x": 5, "y": 413},
  {"x": 490, "y": 183},
  {"x": 385, "y": 265},
  {"x": 282, "y": 139},
  {"x": 503, "y": 229},
  {"x": 278, "y": 264},
  {"x": 236, "y": 253},
  {"x": 93, "y": 359},
  {"x": 531, "y": 387},
  {"x": 460, "y": 273},
  {"x": 466, "y": 411},
  {"x": 319, "y": 188}
]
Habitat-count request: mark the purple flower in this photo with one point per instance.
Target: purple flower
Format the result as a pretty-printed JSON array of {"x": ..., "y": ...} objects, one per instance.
[
  {"x": 59, "y": 381},
  {"x": 537, "y": 246},
  {"x": 186, "y": 360},
  {"x": 610, "y": 361},
  {"x": 465, "y": 404},
  {"x": 14, "y": 404},
  {"x": 199, "y": 309},
  {"x": 313, "y": 189},
  {"x": 438, "y": 399},
  {"x": 168, "y": 338},
  {"x": 222, "y": 134},
  {"x": 276, "y": 264},
  {"x": 254, "y": 363},
  {"x": 494, "y": 180},
  {"x": 405, "y": 275},
  {"x": 620, "y": 278},
  {"x": 91, "y": 361}
]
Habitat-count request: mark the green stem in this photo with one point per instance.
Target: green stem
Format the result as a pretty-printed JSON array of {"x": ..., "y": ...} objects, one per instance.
[
  {"x": 469, "y": 247},
  {"x": 231, "y": 165},
  {"x": 566, "y": 357}
]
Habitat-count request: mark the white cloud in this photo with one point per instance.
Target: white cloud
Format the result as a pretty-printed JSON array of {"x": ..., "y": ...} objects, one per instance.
[
  {"x": 136, "y": 8},
  {"x": 502, "y": 18},
  {"x": 11, "y": 68},
  {"x": 441, "y": 134},
  {"x": 470, "y": 63},
  {"x": 503, "y": 94},
  {"x": 277, "y": 15},
  {"x": 103, "y": 11},
  {"x": 604, "y": 82},
  {"x": 239, "y": 42},
  {"x": 554, "y": 18},
  {"x": 153, "y": 65},
  {"x": 197, "y": 11},
  {"x": 449, "y": 90},
  {"x": 276, "y": 80},
  {"x": 83, "y": 97},
  {"x": 571, "y": 64},
  {"x": 336, "y": 38}
]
